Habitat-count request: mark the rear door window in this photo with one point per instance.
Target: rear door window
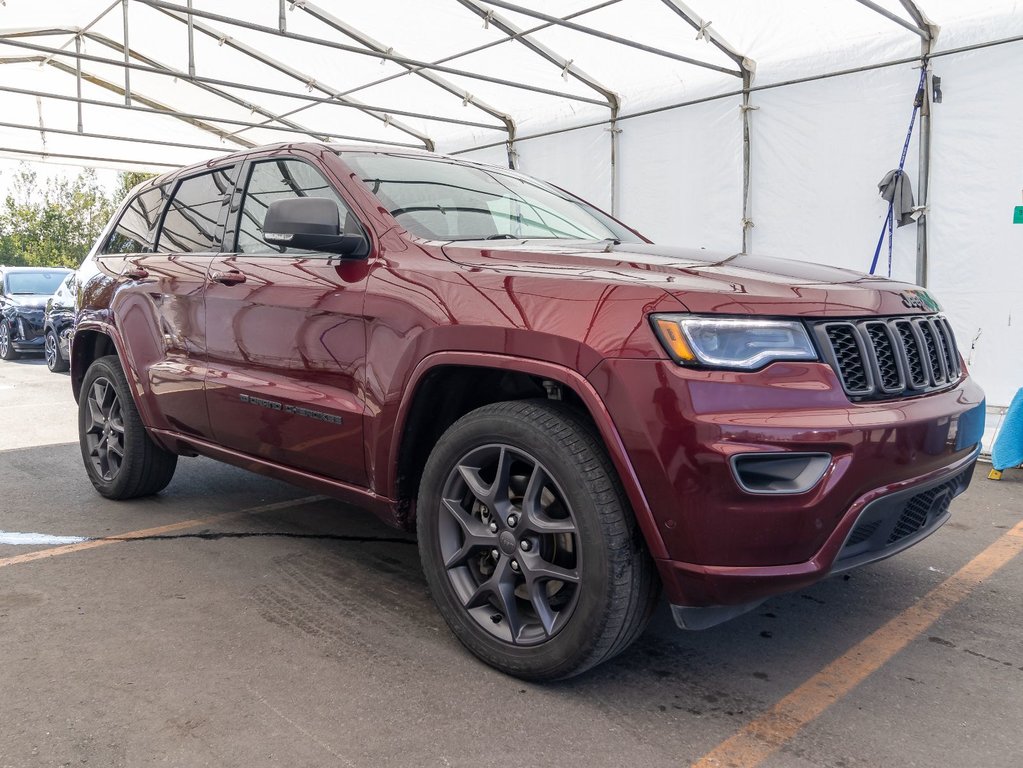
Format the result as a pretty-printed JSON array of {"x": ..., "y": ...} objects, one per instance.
[
  {"x": 193, "y": 218},
  {"x": 274, "y": 180},
  {"x": 137, "y": 226}
]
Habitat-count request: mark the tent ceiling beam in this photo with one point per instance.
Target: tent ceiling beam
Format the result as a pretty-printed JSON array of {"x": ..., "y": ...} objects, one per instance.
[
  {"x": 612, "y": 38},
  {"x": 168, "y": 71},
  {"x": 178, "y": 11},
  {"x": 199, "y": 122},
  {"x": 109, "y": 137},
  {"x": 915, "y": 28},
  {"x": 119, "y": 161},
  {"x": 566, "y": 66},
  {"x": 485, "y": 46},
  {"x": 309, "y": 81},
  {"x": 704, "y": 30},
  {"x": 190, "y": 116},
  {"x": 96, "y": 20},
  {"x": 432, "y": 77}
]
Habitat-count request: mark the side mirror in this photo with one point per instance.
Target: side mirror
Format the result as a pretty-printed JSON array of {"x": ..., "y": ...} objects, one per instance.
[{"x": 310, "y": 223}]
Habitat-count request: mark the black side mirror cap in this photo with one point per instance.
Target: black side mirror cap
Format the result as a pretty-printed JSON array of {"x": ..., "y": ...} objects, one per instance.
[{"x": 310, "y": 223}]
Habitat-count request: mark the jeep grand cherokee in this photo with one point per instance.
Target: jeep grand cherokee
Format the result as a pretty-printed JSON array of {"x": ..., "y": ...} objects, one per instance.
[{"x": 570, "y": 417}]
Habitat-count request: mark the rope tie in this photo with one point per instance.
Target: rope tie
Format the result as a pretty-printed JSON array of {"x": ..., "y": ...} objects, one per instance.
[
  {"x": 564, "y": 69},
  {"x": 703, "y": 33},
  {"x": 487, "y": 19}
]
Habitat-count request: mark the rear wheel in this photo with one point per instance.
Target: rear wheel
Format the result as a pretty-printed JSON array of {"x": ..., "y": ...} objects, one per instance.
[
  {"x": 121, "y": 459},
  {"x": 7, "y": 342},
  {"x": 54, "y": 359},
  {"x": 528, "y": 544}
]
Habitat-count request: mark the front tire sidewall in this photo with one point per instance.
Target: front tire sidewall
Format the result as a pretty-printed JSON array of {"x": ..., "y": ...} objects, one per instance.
[
  {"x": 560, "y": 655},
  {"x": 125, "y": 483},
  {"x": 56, "y": 363},
  {"x": 7, "y": 351}
]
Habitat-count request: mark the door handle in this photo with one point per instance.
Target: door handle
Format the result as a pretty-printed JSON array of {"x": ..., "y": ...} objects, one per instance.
[
  {"x": 136, "y": 272},
  {"x": 231, "y": 277}
]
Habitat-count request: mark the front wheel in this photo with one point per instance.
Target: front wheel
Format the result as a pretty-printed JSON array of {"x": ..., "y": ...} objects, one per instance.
[
  {"x": 7, "y": 342},
  {"x": 54, "y": 359},
  {"x": 528, "y": 544},
  {"x": 121, "y": 459}
]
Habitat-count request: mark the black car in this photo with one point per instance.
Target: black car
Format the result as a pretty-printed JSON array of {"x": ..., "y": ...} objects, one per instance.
[
  {"x": 58, "y": 324},
  {"x": 23, "y": 295}
]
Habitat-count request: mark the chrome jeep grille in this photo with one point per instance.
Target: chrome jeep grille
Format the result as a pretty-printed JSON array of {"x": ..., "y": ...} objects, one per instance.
[{"x": 891, "y": 357}]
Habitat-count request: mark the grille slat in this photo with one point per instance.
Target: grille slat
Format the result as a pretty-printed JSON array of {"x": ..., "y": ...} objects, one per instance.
[{"x": 892, "y": 357}]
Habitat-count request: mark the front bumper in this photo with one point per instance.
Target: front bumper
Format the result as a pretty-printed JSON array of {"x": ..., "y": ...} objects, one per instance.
[
  {"x": 728, "y": 549},
  {"x": 27, "y": 330}
]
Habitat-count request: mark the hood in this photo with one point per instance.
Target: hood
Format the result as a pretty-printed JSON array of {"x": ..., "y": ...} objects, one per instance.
[
  {"x": 703, "y": 281},
  {"x": 29, "y": 301}
]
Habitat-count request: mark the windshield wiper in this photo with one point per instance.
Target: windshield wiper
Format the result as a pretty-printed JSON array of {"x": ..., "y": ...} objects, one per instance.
[{"x": 501, "y": 236}]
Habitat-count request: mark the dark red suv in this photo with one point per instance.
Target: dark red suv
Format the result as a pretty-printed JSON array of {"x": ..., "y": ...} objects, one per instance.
[{"x": 570, "y": 416}]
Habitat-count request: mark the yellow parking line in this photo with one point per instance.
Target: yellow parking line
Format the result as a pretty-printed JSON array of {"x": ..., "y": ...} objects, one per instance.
[
  {"x": 772, "y": 730},
  {"x": 67, "y": 549}
]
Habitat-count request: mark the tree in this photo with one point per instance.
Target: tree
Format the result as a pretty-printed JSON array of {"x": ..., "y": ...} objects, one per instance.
[
  {"x": 126, "y": 181},
  {"x": 56, "y": 224}
]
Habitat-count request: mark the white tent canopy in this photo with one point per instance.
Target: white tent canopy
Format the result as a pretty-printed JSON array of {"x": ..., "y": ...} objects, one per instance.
[{"x": 726, "y": 124}]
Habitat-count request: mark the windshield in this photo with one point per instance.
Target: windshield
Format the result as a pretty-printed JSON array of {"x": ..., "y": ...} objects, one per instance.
[
  {"x": 442, "y": 199},
  {"x": 39, "y": 283}
]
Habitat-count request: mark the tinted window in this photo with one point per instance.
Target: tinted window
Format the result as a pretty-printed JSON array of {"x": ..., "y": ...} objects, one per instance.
[
  {"x": 134, "y": 232},
  {"x": 279, "y": 180},
  {"x": 34, "y": 283},
  {"x": 190, "y": 224},
  {"x": 443, "y": 199}
]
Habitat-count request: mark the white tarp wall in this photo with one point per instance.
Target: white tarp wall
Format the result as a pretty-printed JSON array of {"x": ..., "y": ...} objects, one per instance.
[{"x": 819, "y": 148}]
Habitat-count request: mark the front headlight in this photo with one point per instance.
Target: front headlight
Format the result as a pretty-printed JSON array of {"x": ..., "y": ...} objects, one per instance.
[{"x": 732, "y": 342}]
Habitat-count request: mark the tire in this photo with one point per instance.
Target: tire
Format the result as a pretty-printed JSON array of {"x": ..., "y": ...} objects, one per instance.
[
  {"x": 532, "y": 471},
  {"x": 7, "y": 342},
  {"x": 121, "y": 459},
  {"x": 54, "y": 359}
]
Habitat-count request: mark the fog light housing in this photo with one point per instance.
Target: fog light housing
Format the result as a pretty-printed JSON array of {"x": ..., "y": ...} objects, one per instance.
[{"x": 774, "y": 473}]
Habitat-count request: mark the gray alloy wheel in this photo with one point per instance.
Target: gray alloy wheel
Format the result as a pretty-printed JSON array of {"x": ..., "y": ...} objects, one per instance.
[
  {"x": 510, "y": 545},
  {"x": 528, "y": 544},
  {"x": 7, "y": 351},
  {"x": 122, "y": 461},
  {"x": 54, "y": 359}
]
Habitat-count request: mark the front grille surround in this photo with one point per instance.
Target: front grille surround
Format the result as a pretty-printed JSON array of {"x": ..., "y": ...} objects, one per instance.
[{"x": 883, "y": 358}]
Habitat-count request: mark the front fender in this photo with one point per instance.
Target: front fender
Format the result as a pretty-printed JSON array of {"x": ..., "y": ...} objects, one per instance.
[{"x": 566, "y": 376}]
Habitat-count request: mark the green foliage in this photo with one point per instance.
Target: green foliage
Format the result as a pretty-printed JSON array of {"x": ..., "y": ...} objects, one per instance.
[{"x": 57, "y": 223}]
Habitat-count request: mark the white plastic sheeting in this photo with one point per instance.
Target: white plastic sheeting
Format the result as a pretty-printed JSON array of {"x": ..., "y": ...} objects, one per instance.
[{"x": 819, "y": 145}]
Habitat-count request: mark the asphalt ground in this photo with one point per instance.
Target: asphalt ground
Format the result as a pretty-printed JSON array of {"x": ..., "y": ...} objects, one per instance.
[{"x": 245, "y": 623}]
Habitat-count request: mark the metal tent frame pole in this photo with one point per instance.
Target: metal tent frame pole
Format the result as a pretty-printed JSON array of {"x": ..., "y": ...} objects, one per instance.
[
  {"x": 151, "y": 66},
  {"x": 180, "y": 11},
  {"x": 343, "y": 27},
  {"x": 747, "y": 68},
  {"x": 924, "y": 171},
  {"x": 611, "y": 38},
  {"x": 485, "y": 46},
  {"x": 567, "y": 67},
  {"x": 928, "y": 32}
]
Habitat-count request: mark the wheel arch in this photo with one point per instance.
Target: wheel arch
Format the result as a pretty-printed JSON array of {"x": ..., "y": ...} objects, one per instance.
[
  {"x": 471, "y": 380},
  {"x": 88, "y": 344}
]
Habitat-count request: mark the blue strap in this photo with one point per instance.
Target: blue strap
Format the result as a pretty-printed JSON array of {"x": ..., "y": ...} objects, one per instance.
[{"x": 888, "y": 225}]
